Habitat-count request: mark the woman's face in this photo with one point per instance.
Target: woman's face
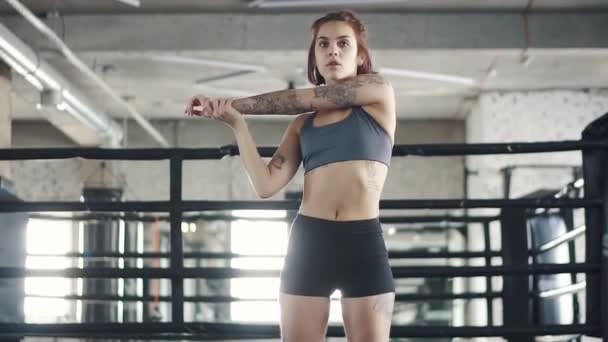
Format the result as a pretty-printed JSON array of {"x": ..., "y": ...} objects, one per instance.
[{"x": 336, "y": 52}]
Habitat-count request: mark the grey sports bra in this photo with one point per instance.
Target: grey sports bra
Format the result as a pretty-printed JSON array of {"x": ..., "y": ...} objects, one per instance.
[{"x": 357, "y": 137}]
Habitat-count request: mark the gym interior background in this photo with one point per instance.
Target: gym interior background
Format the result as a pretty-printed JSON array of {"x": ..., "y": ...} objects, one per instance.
[{"x": 118, "y": 74}]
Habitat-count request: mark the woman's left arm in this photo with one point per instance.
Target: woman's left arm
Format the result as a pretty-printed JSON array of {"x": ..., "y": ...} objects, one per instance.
[{"x": 365, "y": 89}]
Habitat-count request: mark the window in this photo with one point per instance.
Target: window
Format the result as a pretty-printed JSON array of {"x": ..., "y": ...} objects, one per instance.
[
  {"x": 261, "y": 238},
  {"x": 257, "y": 238},
  {"x": 45, "y": 237}
]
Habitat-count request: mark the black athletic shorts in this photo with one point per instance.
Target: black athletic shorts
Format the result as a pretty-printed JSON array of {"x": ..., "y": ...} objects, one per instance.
[{"x": 324, "y": 255}]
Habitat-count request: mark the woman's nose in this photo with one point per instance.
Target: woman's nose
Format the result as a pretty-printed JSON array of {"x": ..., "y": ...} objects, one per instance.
[{"x": 333, "y": 50}]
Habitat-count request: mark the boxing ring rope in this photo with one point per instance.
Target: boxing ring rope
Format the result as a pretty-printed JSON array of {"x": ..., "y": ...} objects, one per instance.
[
  {"x": 229, "y": 218},
  {"x": 199, "y": 331},
  {"x": 595, "y": 164}
]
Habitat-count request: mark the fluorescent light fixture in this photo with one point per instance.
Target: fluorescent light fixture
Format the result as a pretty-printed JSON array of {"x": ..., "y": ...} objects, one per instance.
[
  {"x": 319, "y": 3},
  {"x": 428, "y": 76},
  {"x": 207, "y": 62},
  {"x": 134, "y": 3},
  {"x": 223, "y": 91},
  {"x": 223, "y": 77}
]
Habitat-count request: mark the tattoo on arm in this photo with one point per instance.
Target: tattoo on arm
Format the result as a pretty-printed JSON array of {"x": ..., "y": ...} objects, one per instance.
[
  {"x": 373, "y": 183},
  {"x": 278, "y": 102},
  {"x": 288, "y": 102},
  {"x": 341, "y": 94},
  {"x": 344, "y": 94},
  {"x": 278, "y": 160},
  {"x": 373, "y": 79}
]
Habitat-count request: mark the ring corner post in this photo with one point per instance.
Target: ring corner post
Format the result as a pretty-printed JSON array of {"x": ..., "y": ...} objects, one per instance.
[
  {"x": 595, "y": 172},
  {"x": 177, "y": 256},
  {"x": 517, "y": 310}
]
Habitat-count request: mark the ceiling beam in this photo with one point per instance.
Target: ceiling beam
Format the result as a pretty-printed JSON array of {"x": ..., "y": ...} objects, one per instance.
[{"x": 185, "y": 32}]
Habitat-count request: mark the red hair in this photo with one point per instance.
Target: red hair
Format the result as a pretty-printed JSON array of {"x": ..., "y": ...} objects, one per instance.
[{"x": 349, "y": 17}]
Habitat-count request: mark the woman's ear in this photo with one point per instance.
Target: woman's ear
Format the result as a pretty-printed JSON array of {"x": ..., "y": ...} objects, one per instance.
[{"x": 360, "y": 60}]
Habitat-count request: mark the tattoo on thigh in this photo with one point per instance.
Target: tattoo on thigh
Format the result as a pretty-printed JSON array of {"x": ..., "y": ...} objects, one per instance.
[
  {"x": 278, "y": 161},
  {"x": 384, "y": 305}
]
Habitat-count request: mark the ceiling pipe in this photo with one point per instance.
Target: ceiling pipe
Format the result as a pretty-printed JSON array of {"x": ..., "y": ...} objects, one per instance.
[
  {"x": 134, "y": 3},
  {"x": 432, "y": 76},
  {"x": 72, "y": 58},
  {"x": 317, "y": 3},
  {"x": 43, "y": 77}
]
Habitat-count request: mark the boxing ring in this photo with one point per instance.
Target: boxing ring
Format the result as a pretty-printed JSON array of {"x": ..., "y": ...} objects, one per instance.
[{"x": 515, "y": 270}]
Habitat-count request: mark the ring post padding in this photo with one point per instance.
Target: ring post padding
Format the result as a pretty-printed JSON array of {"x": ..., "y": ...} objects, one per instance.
[
  {"x": 177, "y": 257},
  {"x": 516, "y": 302},
  {"x": 595, "y": 171}
]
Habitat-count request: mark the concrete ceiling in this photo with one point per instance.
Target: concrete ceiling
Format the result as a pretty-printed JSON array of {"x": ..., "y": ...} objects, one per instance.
[
  {"x": 159, "y": 88},
  {"x": 154, "y": 61},
  {"x": 189, "y": 6}
]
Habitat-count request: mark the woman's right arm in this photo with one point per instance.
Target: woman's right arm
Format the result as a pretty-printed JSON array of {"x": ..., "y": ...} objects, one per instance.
[{"x": 268, "y": 179}]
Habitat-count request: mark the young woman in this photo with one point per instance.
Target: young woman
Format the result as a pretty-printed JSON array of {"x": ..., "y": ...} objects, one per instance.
[{"x": 345, "y": 144}]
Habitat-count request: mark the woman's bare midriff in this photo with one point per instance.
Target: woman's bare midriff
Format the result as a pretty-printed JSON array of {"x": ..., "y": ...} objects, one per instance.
[{"x": 344, "y": 191}]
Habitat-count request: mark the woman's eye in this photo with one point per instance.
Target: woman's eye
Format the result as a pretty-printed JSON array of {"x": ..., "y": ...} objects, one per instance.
[
  {"x": 343, "y": 43},
  {"x": 323, "y": 44}
]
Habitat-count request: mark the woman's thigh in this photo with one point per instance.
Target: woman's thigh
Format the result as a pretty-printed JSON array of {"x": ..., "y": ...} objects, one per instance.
[
  {"x": 368, "y": 319},
  {"x": 303, "y": 318}
]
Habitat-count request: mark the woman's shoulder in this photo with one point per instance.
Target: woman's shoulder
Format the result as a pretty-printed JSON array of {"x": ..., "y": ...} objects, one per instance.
[{"x": 298, "y": 122}]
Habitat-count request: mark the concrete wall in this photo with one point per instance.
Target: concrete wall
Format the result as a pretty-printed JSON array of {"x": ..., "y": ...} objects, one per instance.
[
  {"x": 525, "y": 117},
  {"x": 409, "y": 177},
  {"x": 528, "y": 117}
]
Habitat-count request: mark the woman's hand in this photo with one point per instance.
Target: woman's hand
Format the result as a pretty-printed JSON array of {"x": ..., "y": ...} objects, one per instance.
[
  {"x": 223, "y": 111},
  {"x": 217, "y": 108},
  {"x": 199, "y": 105}
]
